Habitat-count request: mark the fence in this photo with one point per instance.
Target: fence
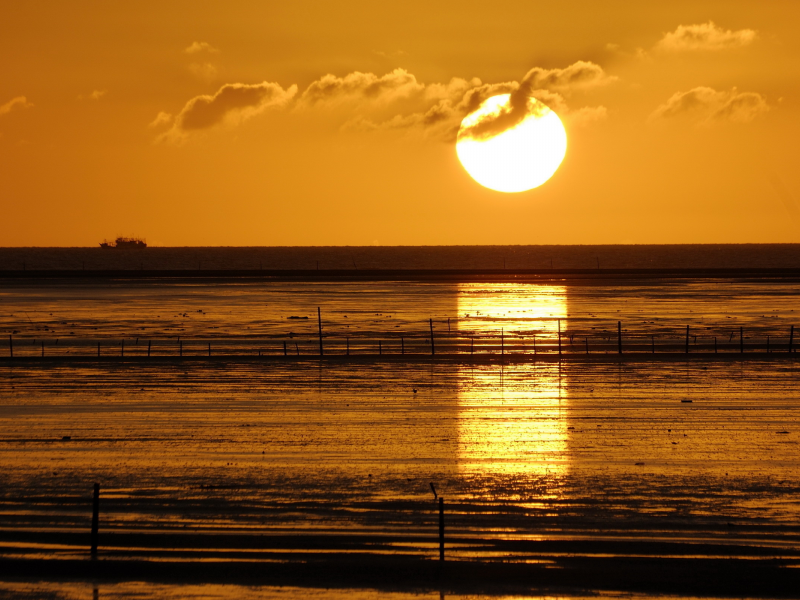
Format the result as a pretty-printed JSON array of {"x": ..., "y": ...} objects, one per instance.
[{"x": 415, "y": 343}]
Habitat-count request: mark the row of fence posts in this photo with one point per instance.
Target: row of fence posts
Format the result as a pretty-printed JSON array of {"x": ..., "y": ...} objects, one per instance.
[
  {"x": 433, "y": 344},
  {"x": 95, "y": 534}
]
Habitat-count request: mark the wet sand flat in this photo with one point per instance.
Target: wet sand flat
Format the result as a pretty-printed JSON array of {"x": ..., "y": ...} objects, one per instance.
[
  {"x": 676, "y": 475},
  {"x": 537, "y": 462}
]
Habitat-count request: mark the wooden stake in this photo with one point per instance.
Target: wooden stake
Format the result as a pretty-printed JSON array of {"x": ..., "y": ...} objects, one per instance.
[
  {"x": 180, "y": 348},
  {"x": 95, "y": 518},
  {"x": 42, "y": 348},
  {"x": 122, "y": 350},
  {"x": 687, "y": 339},
  {"x": 587, "y": 344},
  {"x": 98, "y": 349},
  {"x": 791, "y": 338},
  {"x": 285, "y": 353},
  {"x": 348, "y": 346},
  {"x": 559, "y": 337},
  {"x": 433, "y": 348},
  {"x": 741, "y": 340},
  {"x": 502, "y": 342},
  {"x": 209, "y": 349},
  {"x": 715, "y": 344},
  {"x": 380, "y": 350},
  {"x": 10, "y": 347},
  {"x": 148, "y": 348},
  {"x": 402, "y": 346},
  {"x": 319, "y": 322},
  {"x": 441, "y": 529},
  {"x": 619, "y": 336}
]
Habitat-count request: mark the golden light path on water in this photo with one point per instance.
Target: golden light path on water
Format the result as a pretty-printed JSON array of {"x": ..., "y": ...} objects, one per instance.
[{"x": 518, "y": 426}]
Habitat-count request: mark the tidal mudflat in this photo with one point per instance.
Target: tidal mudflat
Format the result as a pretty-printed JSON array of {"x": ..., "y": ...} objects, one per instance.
[{"x": 558, "y": 478}]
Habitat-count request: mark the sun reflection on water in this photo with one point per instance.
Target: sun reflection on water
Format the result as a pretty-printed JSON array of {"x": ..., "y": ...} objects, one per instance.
[{"x": 512, "y": 420}]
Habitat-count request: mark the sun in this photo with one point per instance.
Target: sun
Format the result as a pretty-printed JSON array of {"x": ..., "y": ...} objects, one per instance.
[{"x": 518, "y": 158}]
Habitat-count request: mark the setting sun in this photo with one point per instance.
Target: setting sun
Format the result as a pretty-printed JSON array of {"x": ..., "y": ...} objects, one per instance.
[{"x": 519, "y": 158}]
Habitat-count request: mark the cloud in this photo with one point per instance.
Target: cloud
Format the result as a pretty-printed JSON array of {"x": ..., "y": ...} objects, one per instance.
[
  {"x": 704, "y": 36},
  {"x": 361, "y": 86},
  {"x": 163, "y": 118},
  {"x": 397, "y": 100},
  {"x": 198, "y": 47},
  {"x": 579, "y": 75},
  {"x": 204, "y": 71},
  {"x": 233, "y": 103},
  {"x": 587, "y": 115},
  {"x": 710, "y": 105},
  {"x": 548, "y": 86},
  {"x": 95, "y": 95},
  {"x": 18, "y": 102}
]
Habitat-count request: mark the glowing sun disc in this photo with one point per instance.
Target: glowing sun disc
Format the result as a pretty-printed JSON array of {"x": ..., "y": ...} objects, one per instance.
[{"x": 517, "y": 159}]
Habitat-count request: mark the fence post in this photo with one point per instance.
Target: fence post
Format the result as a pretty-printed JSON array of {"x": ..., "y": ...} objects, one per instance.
[
  {"x": 791, "y": 338},
  {"x": 502, "y": 342},
  {"x": 402, "y": 346},
  {"x": 209, "y": 349},
  {"x": 559, "y": 337},
  {"x": 10, "y": 346},
  {"x": 441, "y": 529},
  {"x": 433, "y": 348},
  {"x": 42, "y": 348},
  {"x": 122, "y": 350},
  {"x": 619, "y": 337},
  {"x": 346, "y": 340},
  {"x": 285, "y": 352},
  {"x": 687, "y": 339},
  {"x": 741, "y": 340},
  {"x": 715, "y": 344},
  {"x": 148, "y": 348},
  {"x": 319, "y": 322},
  {"x": 98, "y": 349},
  {"x": 587, "y": 344},
  {"x": 380, "y": 349},
  {"x": 95, "y": 518},
  {"x": 180, "y": 348}
]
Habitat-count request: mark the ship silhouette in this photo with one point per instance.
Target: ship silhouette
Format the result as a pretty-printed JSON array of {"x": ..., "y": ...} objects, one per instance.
[{"x": 125, "y": 243}]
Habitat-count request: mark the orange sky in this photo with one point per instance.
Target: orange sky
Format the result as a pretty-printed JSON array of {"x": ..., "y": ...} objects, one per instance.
[{"x": 337, "y": 122}]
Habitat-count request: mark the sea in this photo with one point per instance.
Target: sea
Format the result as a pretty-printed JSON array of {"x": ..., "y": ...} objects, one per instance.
[{"x": 409, "y": 257}]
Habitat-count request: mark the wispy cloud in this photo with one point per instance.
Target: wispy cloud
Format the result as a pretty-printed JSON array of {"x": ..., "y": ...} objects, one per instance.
[
  {"x": 204, "y": 71},
  {"x": 549, "y": 86},
  {"x": 95, "y": 95},
  {"x": 197, "y": 47},
  {"x": 232, "y": 104},
  {"x": 18, "y": 102},
  {"x": 704, "y": 36},
  {"x": 710, "y": 105},
  {"x": 362, "y": 87},
  {"x": 397, "y": 100}
]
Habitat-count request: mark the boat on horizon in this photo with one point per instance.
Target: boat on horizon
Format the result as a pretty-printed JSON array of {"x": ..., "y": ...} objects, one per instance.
[{"x": 124, "y": 243}]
